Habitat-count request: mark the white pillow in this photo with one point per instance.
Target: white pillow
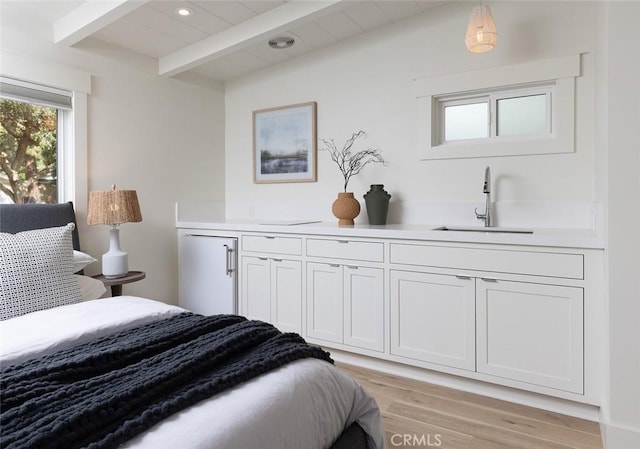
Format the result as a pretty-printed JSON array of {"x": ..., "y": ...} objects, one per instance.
[
  {"x": 91, "y": 288},
  {"x": 81, "y": 260},
  {"x": 36, "y": 271}
]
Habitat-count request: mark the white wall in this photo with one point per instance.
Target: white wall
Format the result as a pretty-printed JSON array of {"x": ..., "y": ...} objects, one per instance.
[
  {"x": 158, "y": 136},
  {"x": 366, "y": 83},
  {"x": 164, "y": 140},
  {"x": 621, "y": 104}
]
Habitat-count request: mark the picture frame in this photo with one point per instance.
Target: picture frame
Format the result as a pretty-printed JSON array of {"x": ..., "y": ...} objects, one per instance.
[{"x": 285, "y": 144}]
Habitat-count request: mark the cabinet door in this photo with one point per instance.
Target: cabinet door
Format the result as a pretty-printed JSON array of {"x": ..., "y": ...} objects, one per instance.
[
  {"x": 286, "y": 295},
  {"x": 206, "y": 285},
  {"x": 324, "y": 302},
  {"x": 364, "y": 307},
  {"x": 433, "y": 318},
  {"x": 531, "y": 333},
  {"x": 256, "y": 288}
]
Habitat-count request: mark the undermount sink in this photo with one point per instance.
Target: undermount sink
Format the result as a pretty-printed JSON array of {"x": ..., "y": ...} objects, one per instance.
[{"x": 484, "y": 229}]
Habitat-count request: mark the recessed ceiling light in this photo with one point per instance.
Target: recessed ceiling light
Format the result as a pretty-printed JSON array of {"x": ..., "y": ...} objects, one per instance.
[
  {"x": 281, "y": 42},
  {"x": 184, "y": 12}
]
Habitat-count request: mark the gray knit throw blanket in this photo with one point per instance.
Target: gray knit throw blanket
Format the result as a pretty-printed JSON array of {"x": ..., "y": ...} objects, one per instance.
[{"x": 100, "y": 394}]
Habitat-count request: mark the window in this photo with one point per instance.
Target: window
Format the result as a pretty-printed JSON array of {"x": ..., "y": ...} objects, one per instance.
[
  {"x": 32, "y": 127},
  {"x": 525, "y": 115},
  {"x": 483, "y": 117},
  {"x": 71, "y": 166},
  {"x": 504, "y": 111},
  {"x": 464, "y": 120}
]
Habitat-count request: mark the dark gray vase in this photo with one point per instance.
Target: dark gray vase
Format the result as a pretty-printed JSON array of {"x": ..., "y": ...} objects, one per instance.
[{"x": 377, "y": 201}]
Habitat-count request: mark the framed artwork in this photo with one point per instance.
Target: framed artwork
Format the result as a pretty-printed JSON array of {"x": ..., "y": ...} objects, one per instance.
[{"x": 285, "y": 144}]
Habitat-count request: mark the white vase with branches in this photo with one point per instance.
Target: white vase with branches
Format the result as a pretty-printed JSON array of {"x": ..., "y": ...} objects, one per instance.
[{"x": 346, "y": 207}]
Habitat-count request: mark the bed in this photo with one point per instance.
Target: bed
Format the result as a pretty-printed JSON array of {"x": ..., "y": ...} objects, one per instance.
[{"x": 303, "y": 402}]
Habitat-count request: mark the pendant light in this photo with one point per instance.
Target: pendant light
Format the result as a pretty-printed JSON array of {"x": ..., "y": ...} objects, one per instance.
[{"x": 481, "y": 32}]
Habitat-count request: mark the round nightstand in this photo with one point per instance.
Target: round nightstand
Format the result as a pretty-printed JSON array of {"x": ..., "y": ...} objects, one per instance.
[{"x": 117, "y": 283}]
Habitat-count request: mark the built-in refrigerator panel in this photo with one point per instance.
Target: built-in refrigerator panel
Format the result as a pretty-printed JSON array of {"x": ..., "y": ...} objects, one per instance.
[{"x": 208, "y": 274}]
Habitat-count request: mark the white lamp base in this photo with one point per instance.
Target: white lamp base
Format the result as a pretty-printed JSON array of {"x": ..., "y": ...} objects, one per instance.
[{"x": 115, "y": 262}]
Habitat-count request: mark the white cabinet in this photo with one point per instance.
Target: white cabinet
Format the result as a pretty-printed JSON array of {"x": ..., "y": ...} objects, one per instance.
[
  {"x": 519, "y": 310},
  {"x": 207, "y": 273},
  {"x": 521, "y": 316},
  {"x": 346, "y": 249},
  {"x": 345, "y": 304},
  {"x": 497, "y": 260},
  {"x": 275, "y": 244},
  {"x": 521, "y": 331},
  {"x": 286, "y": 295},
  {"x": 270, "y": 285},
  {"x": 255, "y": 288},
  {"x": 433, "y": 318},
  {"x": 364, "y": 307},
  {"x": 531, "y": 333},
  {"x": 325, "y": 311},
  {"x": 271, "y": 291}
]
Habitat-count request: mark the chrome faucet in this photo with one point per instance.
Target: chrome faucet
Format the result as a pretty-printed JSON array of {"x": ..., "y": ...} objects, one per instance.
[{"x": 486, "y": 189}]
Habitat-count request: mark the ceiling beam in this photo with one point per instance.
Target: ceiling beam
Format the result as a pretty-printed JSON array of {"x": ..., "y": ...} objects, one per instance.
[
  {"x": 90, "y": 17},
  {"x": 244, "y": 34}
]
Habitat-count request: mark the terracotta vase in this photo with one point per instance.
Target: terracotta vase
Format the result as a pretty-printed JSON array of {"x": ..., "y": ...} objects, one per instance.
[{"x": 345, "y": 208}]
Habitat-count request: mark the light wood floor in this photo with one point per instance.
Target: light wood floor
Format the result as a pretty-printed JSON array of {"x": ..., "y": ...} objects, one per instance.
[{"x": 434, "y": 416}]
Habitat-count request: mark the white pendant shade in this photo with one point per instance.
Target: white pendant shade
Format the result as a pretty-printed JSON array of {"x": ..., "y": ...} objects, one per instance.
[{"x": 481, "y": 32}]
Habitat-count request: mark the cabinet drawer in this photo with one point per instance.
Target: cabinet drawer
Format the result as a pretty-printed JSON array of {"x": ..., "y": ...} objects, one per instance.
[
  {"x": 560, "y": 265},
  {"x": 272, "y": 244},
  {"x": 346, "y": 249}
]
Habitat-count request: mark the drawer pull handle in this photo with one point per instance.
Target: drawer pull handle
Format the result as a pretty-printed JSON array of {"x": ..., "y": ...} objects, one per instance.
[
  {"x": 343, "y": 241},
  {"x": 270, "y": 237},
  {"x": 334, "y": 265},
  {"x": 263, "y": 258},
  {"x": 229, "y": 258},
  {"x": 489, "y": 279},
  {"x": 353, "y": 267},
  {"x": 277, "y": 260},
  {"x": 464, "y": 278}
]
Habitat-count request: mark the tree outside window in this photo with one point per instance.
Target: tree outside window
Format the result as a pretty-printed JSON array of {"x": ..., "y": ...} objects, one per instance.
[{"x": 28, "y": 152}]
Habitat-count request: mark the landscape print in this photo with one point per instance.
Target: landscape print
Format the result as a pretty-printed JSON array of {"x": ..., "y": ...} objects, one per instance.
[{"x": 285, "y": 143}]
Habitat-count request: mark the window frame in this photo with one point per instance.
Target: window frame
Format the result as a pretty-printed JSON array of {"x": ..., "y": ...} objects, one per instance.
[
  {"x": 73, "y": 166},
  {"x": 491, "y": 98},
  {"x": 34, "y": 93},
  {"x": 556, "y": 74}
]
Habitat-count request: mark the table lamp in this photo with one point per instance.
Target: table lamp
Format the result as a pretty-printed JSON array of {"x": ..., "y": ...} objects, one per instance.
[{"x": 114, "y": 207}]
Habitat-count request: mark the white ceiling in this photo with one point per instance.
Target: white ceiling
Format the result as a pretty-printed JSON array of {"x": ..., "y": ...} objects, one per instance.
[{"x": 222, "y": 39}]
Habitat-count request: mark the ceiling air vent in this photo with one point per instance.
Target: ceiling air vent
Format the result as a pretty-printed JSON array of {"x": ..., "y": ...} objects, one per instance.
[{"x": 281, "y": 42}]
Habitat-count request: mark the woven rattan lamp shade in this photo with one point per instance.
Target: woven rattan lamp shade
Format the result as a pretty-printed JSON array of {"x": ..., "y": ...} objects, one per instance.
[
  {"x": 112, "y": 207},
  {"x": 481, "y": 33}
]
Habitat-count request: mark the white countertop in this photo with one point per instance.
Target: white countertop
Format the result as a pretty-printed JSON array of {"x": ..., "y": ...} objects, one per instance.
[{"x": 567, "y": 238}]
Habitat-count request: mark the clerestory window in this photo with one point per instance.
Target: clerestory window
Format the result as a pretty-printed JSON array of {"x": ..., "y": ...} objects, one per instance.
[
  {"x": 495, "y": 115},
  {"x": 513, "y": 110}
]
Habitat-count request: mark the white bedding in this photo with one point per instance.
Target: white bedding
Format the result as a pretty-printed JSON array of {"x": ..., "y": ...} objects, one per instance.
[{"x": 305, "y": 404}]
